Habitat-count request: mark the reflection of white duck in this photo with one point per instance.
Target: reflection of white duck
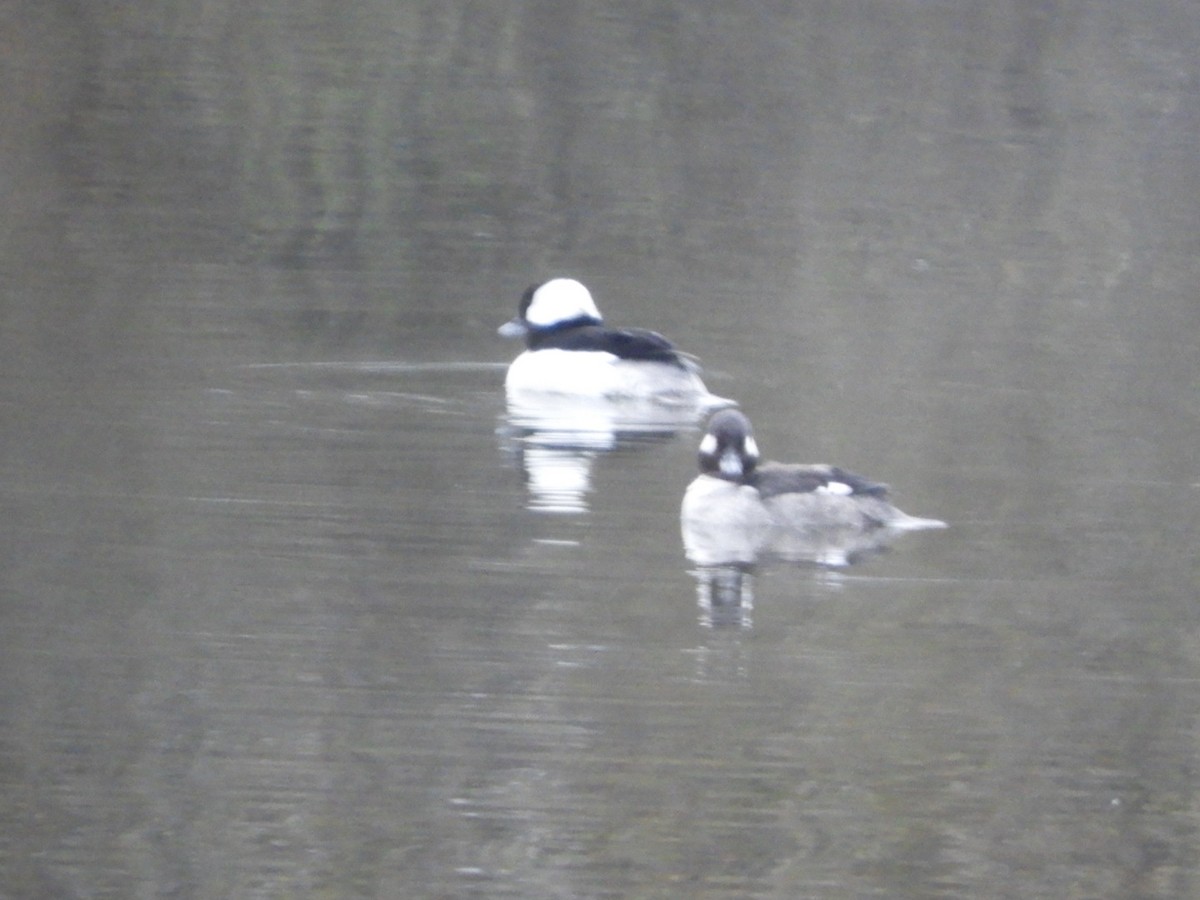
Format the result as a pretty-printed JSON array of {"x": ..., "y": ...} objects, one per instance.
[
  {"x": 570, "y": 351},
  {"x": 738, "y": 506},
  {"x": 559, "y": 478}
]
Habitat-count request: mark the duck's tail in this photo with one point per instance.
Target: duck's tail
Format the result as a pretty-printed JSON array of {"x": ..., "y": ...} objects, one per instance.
[
  {"x": 904, "y": 522},
  {"x": 710, "y": 403}
]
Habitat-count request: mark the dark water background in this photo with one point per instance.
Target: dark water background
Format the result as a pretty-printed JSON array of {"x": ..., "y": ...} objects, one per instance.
[{"x": 278, "y": 616}]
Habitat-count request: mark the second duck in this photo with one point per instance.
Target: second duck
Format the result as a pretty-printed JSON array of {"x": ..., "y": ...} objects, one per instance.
[{"x": 737, "y": 492}]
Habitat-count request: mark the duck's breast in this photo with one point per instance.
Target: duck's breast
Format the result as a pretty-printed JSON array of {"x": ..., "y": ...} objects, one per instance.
[{"x": 723, "y": 522}]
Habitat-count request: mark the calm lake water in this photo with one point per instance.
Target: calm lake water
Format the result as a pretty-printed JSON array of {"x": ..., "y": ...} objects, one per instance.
[{"x": 290, "y": 608}]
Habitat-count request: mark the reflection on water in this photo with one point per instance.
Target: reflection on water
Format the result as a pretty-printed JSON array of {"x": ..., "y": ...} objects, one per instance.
[
  {"x": 558, "y": 478},
  {"x": 725, "y": 560},
  {"x": 725, "y": 595},
  {"x": 556, "y": 439},
  {"x": 278, "y": 619}
]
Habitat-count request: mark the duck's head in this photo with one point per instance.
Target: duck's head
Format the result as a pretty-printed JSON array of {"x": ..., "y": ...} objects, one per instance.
[
  {"x": 553, "y": 304},
  {"x": 728, "y": 449}
]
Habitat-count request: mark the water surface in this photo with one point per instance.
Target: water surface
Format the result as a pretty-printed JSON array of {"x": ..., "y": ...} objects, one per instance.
[{"x": 285, "y": 612}]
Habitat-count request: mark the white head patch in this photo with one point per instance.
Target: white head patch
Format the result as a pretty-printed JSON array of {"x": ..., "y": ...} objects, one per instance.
[
  {"x": 751, "y": 448},
  {"x": 560, "y": 300},
  {"x": 708, "y": 446}
]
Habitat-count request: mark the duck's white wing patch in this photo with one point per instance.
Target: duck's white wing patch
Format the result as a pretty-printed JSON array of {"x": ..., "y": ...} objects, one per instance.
[{"x": 836, "y": 488}]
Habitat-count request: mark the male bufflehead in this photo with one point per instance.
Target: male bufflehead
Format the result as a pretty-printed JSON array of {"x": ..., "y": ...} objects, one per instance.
[
  {"x": 734, "y": 492},
  {"x": 570, "y": 351}
]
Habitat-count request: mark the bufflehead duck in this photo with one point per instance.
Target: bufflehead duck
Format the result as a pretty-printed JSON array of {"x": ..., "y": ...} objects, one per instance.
[
  {"x": 818, "y": 511},
  {"x": 570, "y": 351}
]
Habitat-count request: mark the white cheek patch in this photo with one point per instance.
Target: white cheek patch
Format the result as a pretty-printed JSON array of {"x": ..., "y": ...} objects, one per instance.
[
  {"x": 751, "y": 448},
  {"x": 708, "y": 446}
]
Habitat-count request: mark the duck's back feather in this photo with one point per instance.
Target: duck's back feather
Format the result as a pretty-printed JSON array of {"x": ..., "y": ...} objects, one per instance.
[
  {"x": 773, "y": 479},
  {"x": 623, "y": 343}
]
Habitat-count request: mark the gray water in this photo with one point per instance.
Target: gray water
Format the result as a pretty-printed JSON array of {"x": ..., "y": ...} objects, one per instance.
[{"x": 283, "y": 614}]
